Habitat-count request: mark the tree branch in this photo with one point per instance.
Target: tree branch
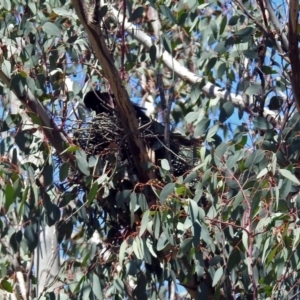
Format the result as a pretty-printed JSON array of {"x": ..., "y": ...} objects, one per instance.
[{"x": 126, "y": 112}]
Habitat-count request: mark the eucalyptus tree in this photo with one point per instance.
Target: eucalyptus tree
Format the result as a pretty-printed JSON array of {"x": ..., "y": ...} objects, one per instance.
[{"x": 197, "y": 200}]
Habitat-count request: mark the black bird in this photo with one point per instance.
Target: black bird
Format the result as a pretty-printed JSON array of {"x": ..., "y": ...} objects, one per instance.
[{"x": 100, "y": 103}]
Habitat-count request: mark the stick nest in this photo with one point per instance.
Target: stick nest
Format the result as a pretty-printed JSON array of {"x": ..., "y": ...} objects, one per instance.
[{"x": 104, "y": 135}]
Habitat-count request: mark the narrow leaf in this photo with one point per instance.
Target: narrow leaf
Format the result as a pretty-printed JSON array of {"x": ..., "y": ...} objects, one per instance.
[
  {"x": 217, "y": 276},
  {"x": 144, "y": 223},
  {"x": 287, "y": 174},
  {"x": 51, "y": 29},
  {"x": 93, "y": 192}
]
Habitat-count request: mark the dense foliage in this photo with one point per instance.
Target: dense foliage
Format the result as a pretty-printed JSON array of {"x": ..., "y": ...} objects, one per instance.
[{"x": 217, "y": 216}]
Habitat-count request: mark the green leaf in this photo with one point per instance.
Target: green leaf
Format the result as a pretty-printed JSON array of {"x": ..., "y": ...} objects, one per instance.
[
  {"x": 48, "y": 173},
  {"x": 211, "y": 63},
  {"x": 31, "y": 236},
  {"x": 245, "y": 239},
  {"x": 6, "y": 68},
  {"x": 6, "y": 286},
  {"x": 166, "y": 43},
  {"x": 214, "y": 28},
  {"x": 211, "y": 132},
  {"x": 195, "y": 93},
  {"x": 133, "y": 207},
  {"x": 191, "y": 177},
  {"x": 223, "y": 25},
  {"x": 122, "y": 251},
  {"x": 262, "y": 173},
  {"x": 194, "y": 212},
  {"x": 138, "y": 248},
  {"x": 203, "y": 5},
  {"x": 219, "y": 152},
  {"x": 167, "y": 13},
  {"x": 234, "y": 259},
  {"x": 195, "y": 22},
  {"x": 142, "y": 202},
  {"x": 52, "y": 211},
  {"x": 191, "y": 116},
  {"x": 182, "y": 18},
  {"x": 24, "y": 140},
  {"x": 96, "y": 287},
  {"x": 287, "y": 174},
  {"x": 218, "y": 275},
  {"x": 262, "y": 124},
  {"x": 103, "y": 11},
  {"x": 162, "y": 242},
  {"x": 6, "y": 4},
  {"x": 250, "y": 54},
  {"x": 156, "y": 223},
  {"x": 253, "y": 89},
  {"x": 238, "y": 200},
  {"x": 268, "y": 70},
  {"x": 68, "y": 229},
  {"x": 185, "y": 247},
  {"x": 226, "y": 112},
  {"x": 62, "y": 12},
  {"x": 71, "y": 149},
  {"x": 119, "y": 285},
  {"x": 254, "y": 158},
  {"x": 35, "y": 119},
  {"x": 247, "y": 31},
  {"x": 205, "y": 236},
  {"x": 9, "y": 196},
  {"x": 206, "y": 176},
  {"x": 17, "y": 186},
  {"x": 196, "y": 232},
  {"x": 129, "y": 7},
  {"x": 93, "y": 192},
  {"x": 201, "y": 127},
  {"x": 61, "y": 231},
  {"x": 165, "y": 164},
  {"x": 144, "y": 222},
  {"x": 149, "y": 246},
  {"x": 233, "y": 20},
  {"x": 221, "y": 70},
  {"x": 296, "y": 239},
  {"x": 64, "y": 171},
  {"x": 15, "y": 241},
  {"x": 82, "y": 162},
  {"x": 166, "y": 191},
  {"x": 137, "y": 13},
  {"x": 51, "y": 29},
  {"x": 152, "y": 53}
]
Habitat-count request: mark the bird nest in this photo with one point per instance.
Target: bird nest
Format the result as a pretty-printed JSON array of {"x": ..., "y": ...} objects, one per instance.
[
  {"x": 99, "y": 136},
  {"x": 104, "y": 135}
]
